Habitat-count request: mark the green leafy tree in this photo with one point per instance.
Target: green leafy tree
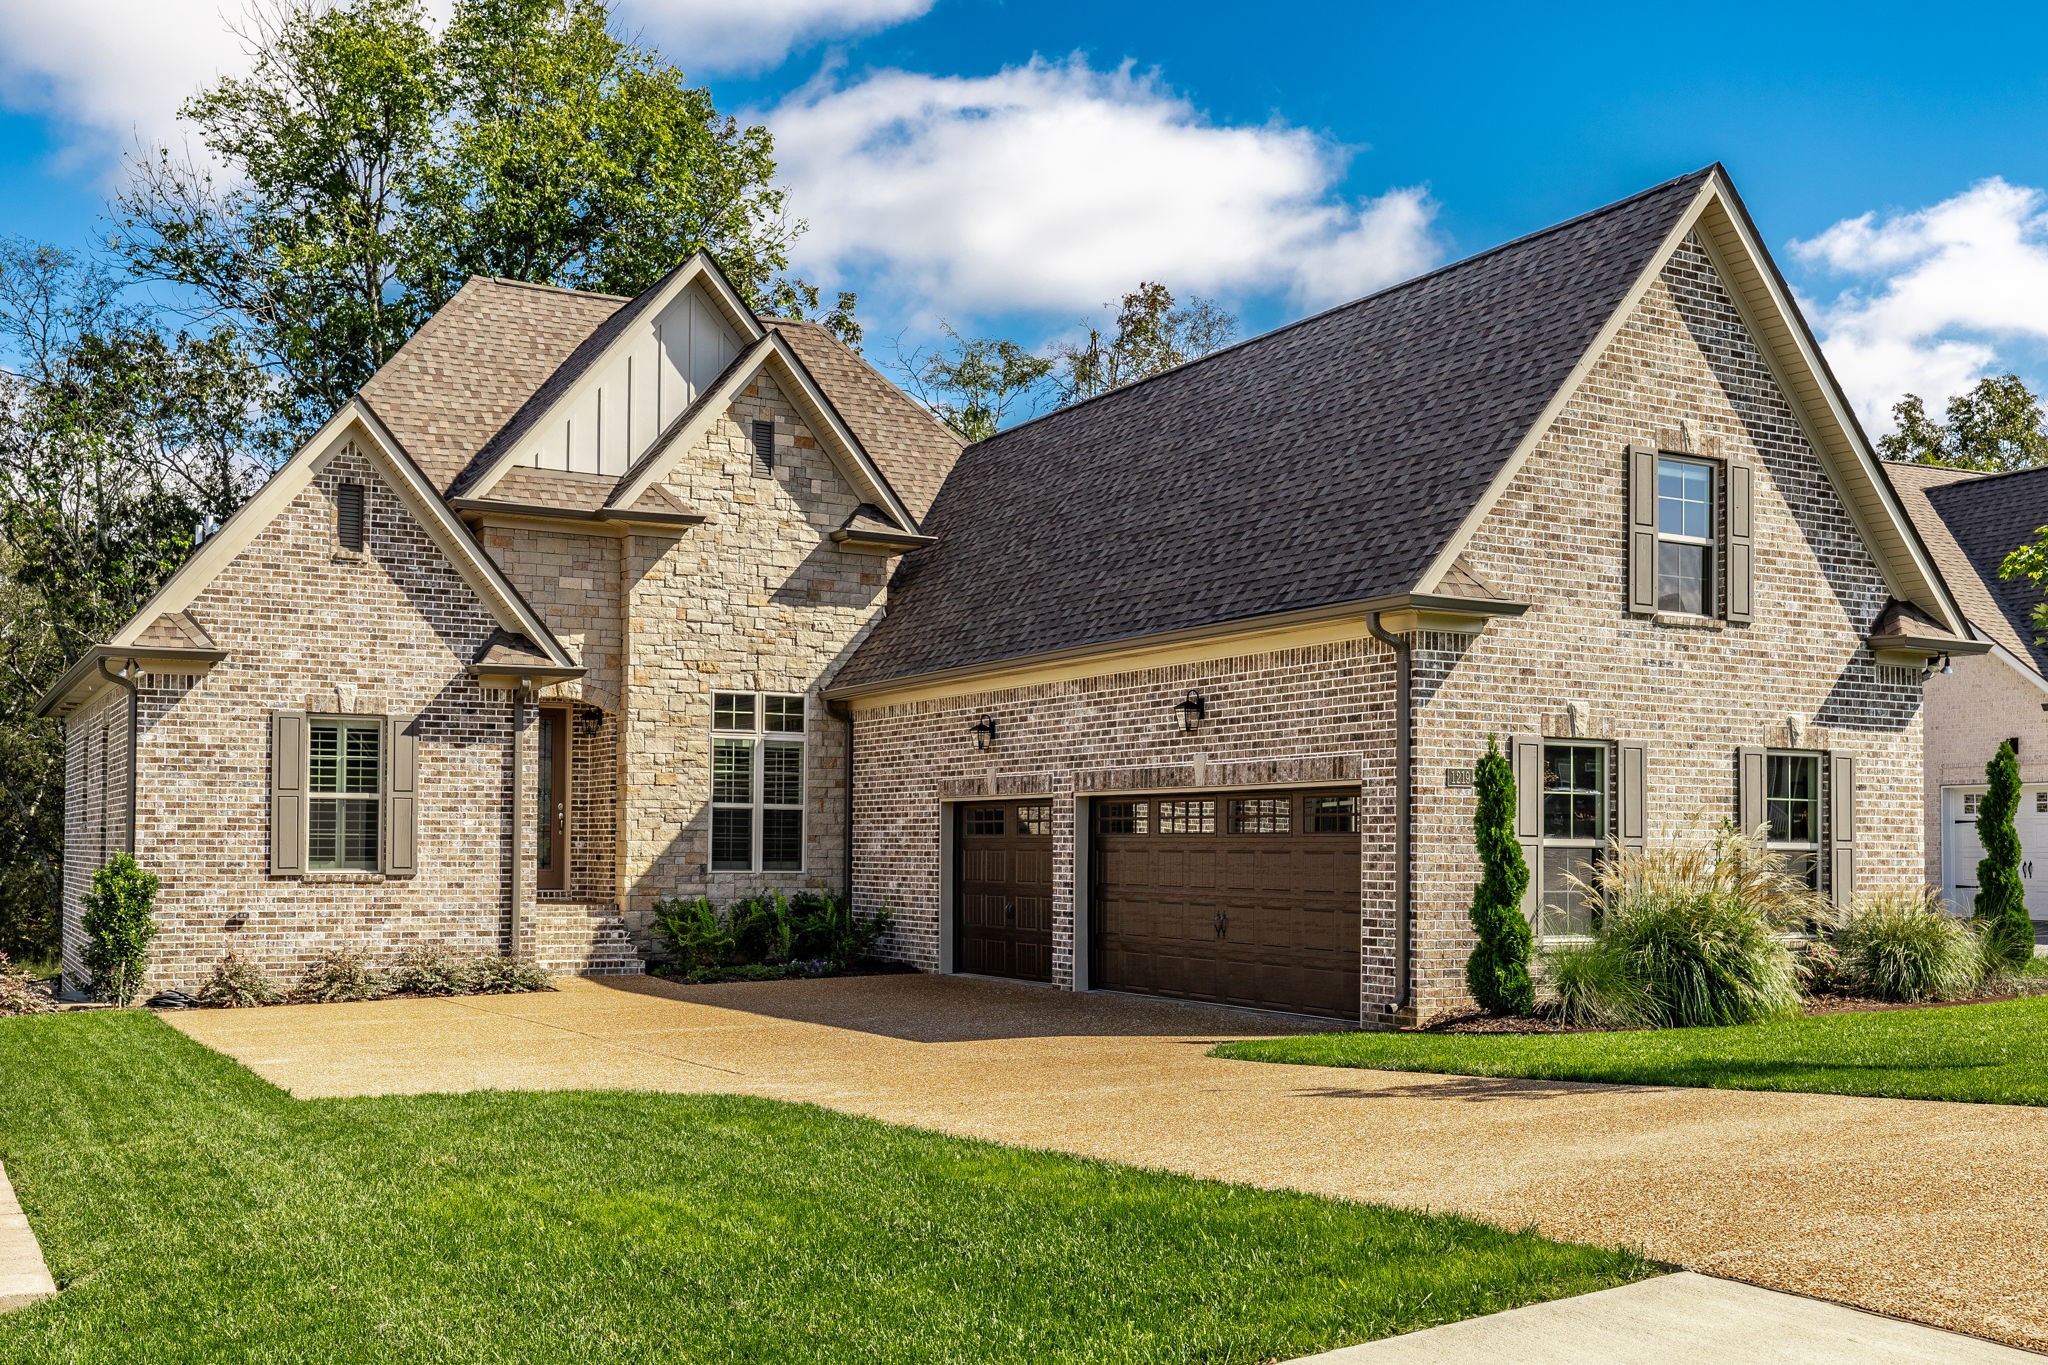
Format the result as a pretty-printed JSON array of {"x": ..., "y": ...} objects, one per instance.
[
  {"x": 369, "y": 164},
  {"x": 974, "y": 384},
  {"x": 2001, "y": 904},
  {"x": 1153, "y": 334},
  {"x": 1995, "y": 426},
  {"x": 1497, "y": 972},
  {"x": 119, "y": 923}
]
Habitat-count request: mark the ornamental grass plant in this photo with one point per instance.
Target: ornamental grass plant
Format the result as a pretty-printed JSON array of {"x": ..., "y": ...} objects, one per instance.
[{"x": 1900, "y": 945}]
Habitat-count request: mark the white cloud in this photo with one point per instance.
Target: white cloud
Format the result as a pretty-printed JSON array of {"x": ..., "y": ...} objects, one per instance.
[
  {"x": 1056, "y": 186},
  {"x": 110, "y": 71},
  {"x": 1936, "y": 293},
  {"x": 719, "y": 35}
]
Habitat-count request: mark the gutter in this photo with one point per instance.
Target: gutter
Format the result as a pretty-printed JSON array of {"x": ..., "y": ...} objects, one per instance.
[
  {"x": 605, "y": 516},
  {"x": 1404, "y": 811},
  {"x": 123, "y": 681}
]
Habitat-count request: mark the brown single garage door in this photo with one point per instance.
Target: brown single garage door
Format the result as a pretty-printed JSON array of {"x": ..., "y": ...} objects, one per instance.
[
  {"x": 1003, "y": 889},
  {"x": 1243, "y": 898}
]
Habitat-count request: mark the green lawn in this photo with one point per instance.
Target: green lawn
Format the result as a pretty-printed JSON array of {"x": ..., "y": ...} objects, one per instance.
[
  {"x": 195, "y": 1213},
  {"x": 1986, "y": 1054}
]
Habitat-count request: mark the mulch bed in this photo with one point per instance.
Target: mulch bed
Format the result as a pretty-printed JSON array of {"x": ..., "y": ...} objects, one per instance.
[
  {"x": 1477, "y": 1022},
  {"x": 667, "y": 973}
]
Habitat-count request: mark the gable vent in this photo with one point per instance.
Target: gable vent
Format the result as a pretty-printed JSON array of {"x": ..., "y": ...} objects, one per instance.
[
  {"x": 764, "y": 444},
  {"x": 348, "y": 516}
]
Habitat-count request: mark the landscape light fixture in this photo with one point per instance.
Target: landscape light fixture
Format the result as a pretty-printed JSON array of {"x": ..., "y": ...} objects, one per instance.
[{"x": 1193, "y": 710}]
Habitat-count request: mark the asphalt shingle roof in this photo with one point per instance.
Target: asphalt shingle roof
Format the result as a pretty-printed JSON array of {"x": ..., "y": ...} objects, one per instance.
[
  {"x": 1325, "y": 462},
  {"x": 1970, "y": 522}
]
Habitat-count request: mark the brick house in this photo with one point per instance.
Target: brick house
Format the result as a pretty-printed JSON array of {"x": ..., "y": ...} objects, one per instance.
[
  {"x": 1970, "y": 522},
  {"x": 1176, "y": 691}
]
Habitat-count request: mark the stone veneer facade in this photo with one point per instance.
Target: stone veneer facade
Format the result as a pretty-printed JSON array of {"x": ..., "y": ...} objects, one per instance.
[{"x": 1683, "y": 374}]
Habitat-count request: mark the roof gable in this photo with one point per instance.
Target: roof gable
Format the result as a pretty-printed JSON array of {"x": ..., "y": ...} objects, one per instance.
[{"x": 1970, "y": 522}]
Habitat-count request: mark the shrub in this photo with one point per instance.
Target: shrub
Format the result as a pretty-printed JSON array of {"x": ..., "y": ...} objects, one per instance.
[
  {"x": 236, "y": 984},
  {"x": 1901, "y": 945},
  {"x": 1688, "y": 936},
  {"x": 1819, "y": 965},
  {"x": 118, "y": 928},
  {"x": 1594, "y": 986},
  {"x": 20, "y": 993},
  {"x": 431, "y": 971},
  {"x": 1497, "y": 972},
  {"x": 699, "y": 937},
  {"x": 342, "y": 974},
  {"x": 2001, "y": 905},
  {"x": 762, "y": 930},
  {"x": 493, "y": 975},
  {"x": 828, "y": 930}
]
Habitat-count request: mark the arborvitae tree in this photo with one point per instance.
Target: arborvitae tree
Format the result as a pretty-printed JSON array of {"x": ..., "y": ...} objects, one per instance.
[
  {"x": 2001, "y": 906},
  {"x": 1497, "y": 973}
]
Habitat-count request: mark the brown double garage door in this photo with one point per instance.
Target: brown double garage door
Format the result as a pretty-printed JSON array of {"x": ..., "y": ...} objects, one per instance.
[{"x": 1241, "y": 898}]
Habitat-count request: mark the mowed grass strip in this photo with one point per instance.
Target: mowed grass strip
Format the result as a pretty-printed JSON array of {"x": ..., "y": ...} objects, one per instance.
[
  {"x": 1982, "y": 1054},
  {"x": 193, "y": 1212}
]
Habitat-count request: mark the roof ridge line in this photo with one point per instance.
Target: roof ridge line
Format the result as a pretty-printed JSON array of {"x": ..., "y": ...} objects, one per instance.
[
  {"x": 1380, "y": 293},
  {"x": 511, "y": 283},
  {"x": 1973, "y": 475}
]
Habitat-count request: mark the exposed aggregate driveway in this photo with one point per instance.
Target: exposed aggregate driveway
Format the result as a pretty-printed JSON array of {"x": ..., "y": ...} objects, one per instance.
[{"x": 1928, "y": 1211}]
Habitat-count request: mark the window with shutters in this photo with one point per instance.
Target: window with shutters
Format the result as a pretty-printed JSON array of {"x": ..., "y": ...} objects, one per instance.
[
  {"x": 1793, "y": 812},
  {"x": 757, "y": 782},
  {"x": 1686, "y": 524},
  {"x": 1574, "y": 828},
  {"x": 348, "y": 517},
  {"x": 344, "y": 794}
]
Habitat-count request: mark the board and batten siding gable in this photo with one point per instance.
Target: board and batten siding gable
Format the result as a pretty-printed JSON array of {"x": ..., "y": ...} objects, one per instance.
[{"x": 643, "y": 382}]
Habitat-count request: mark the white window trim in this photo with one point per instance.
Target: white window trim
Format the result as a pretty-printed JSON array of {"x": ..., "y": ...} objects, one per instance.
[
  {"x": 376, "y": 798},
  {"x": 759, "y": 738},
  {"x": 1819, "y": 845},
  {"x": 1711, "y": 592},
  {"x": 1544, "y": 842}
]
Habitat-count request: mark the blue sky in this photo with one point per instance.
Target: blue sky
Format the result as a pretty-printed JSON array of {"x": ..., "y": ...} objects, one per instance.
[{"x": 1013, "y": 166}]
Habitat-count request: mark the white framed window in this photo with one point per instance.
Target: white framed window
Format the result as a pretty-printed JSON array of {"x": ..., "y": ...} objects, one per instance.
[
  {"x": 757, "y": 782},
  {"x": 344, "y": 794},
  {"x": 1686, "y": 517},
  {"x": 1792, "y": 809},
  {"x": 1576, "y": 814}
]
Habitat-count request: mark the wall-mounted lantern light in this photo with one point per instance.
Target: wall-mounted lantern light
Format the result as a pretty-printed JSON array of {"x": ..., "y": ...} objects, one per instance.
[
  {"x": 1192, "y": 711},
  {"x": 985, "y": 733},
  {"x": 1944, "y": 669}
]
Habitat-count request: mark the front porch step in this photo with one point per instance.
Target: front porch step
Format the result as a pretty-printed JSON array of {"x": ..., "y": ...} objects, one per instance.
[{"x": 584, "y": 940}]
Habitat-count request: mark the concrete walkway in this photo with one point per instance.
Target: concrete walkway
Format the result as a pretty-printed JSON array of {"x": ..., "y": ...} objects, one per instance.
[
  {"x": 1931, "y": 1212},
  {"x": 24, "y": 1279},
  {"x": 1683, "y": 1317}
]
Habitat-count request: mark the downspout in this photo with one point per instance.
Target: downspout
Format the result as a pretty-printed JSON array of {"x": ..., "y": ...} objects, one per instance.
[
  {"x": 844, "y": 710},
  {"x": 1404, "y": 812},
  {"x": 519, "y": 698},
  {"x": 125, "y": 681}
]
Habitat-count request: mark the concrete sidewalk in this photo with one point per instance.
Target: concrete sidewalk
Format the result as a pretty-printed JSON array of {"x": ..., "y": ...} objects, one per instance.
[
  {"x": 1682, "y": 1317},
  {"x": 1932, "y": 1212},
  {"x": 24, "y": 1279}
]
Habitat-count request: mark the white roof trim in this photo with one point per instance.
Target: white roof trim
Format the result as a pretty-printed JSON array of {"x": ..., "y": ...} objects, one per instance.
[
  {"x": 840, "y": 442},
  {"x": 220, "y": 550},
  {"x": 1787, "y": 348},
  {"x": 699, "y": 268}
]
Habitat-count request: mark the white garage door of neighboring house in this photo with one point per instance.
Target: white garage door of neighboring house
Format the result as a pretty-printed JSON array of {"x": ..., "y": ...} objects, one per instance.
[{"x": 1961, "y": 851}]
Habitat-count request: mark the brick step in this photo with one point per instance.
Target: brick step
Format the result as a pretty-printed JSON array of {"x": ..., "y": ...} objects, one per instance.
[{"x": 573, "y": 940}]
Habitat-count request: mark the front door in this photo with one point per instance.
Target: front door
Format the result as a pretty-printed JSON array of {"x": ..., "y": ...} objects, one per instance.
[
  {"x": 1003, "y": 889},
  {"x": 554, "y": 800}
]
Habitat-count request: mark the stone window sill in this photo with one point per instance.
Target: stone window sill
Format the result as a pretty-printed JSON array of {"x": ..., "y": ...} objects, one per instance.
[
  {"x": 334, "y": 878},
  {"x": 1679, "y": 620}
]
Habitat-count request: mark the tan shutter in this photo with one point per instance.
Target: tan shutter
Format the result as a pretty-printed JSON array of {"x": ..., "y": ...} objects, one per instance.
[
  {"x": 1741, "y": 586},
  {"x": 1642, "y": 529},
  {"x": 1527, "y": 759},
  {"x": 1749, "y": 788},
  {"x": 288, "y": 792},
  {"x": 1634, "y": 828},
  {"x": 1841, "y": 827},
  {"x": 401, "y": 799}
]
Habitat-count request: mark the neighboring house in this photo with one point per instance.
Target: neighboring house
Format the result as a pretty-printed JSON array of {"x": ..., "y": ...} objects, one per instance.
[
  {"x": 1185, "y": 697},
  {"x": 1177, "y": 691},
  {"x": 611, "y": 545},
  {"x": 1970, "y": 523}
]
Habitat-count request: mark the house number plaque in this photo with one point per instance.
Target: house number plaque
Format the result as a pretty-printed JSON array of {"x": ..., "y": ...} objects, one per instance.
[{"x": 1457, "y": 777}]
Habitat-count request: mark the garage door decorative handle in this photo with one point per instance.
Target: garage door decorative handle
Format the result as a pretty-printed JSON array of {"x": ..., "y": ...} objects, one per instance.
[
  {"x": 1222, "y": 924},
  {"x": 1010, "y": 911}
]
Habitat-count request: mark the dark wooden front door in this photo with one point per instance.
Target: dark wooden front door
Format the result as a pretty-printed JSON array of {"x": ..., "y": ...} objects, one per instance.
[
  {"x": 1003, "y": 889},
  {"x": 553, "y": 853},
  {"x": 1241, "y": 898}
]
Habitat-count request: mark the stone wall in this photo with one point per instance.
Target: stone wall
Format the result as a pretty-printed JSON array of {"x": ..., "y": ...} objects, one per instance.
[{"x": 308, "y": 626}]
